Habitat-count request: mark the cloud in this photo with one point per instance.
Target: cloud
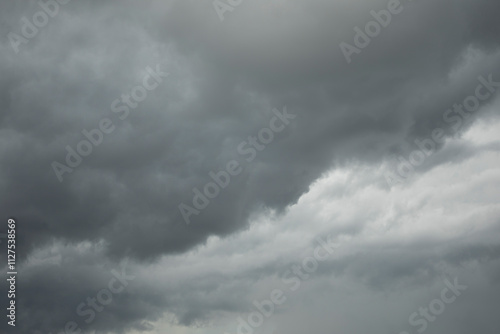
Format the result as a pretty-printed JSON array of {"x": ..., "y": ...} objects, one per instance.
[{"x": 225, "y": 79}]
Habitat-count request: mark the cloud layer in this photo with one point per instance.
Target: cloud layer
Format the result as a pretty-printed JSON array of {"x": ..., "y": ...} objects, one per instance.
[{"x": 325, "y": 173}]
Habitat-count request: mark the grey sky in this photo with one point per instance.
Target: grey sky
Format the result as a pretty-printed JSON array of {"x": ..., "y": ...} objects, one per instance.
[{"x": 324, "y": 174}]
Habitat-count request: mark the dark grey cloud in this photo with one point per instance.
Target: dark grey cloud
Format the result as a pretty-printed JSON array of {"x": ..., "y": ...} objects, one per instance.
[{"x": 225, "y": 79}]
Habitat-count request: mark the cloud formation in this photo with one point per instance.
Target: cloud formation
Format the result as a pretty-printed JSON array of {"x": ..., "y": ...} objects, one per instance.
[{"x": 325, "y": 173}]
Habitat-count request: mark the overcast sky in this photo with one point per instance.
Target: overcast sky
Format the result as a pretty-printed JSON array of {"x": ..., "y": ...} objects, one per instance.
[{"x": 171, "y": 164}]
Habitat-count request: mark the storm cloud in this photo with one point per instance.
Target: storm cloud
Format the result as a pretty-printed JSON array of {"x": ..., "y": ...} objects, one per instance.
[{"x": 218, "y": 84}]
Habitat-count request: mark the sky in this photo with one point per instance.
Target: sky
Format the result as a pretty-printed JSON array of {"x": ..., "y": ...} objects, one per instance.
[{"x": 240, "y": 167}]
